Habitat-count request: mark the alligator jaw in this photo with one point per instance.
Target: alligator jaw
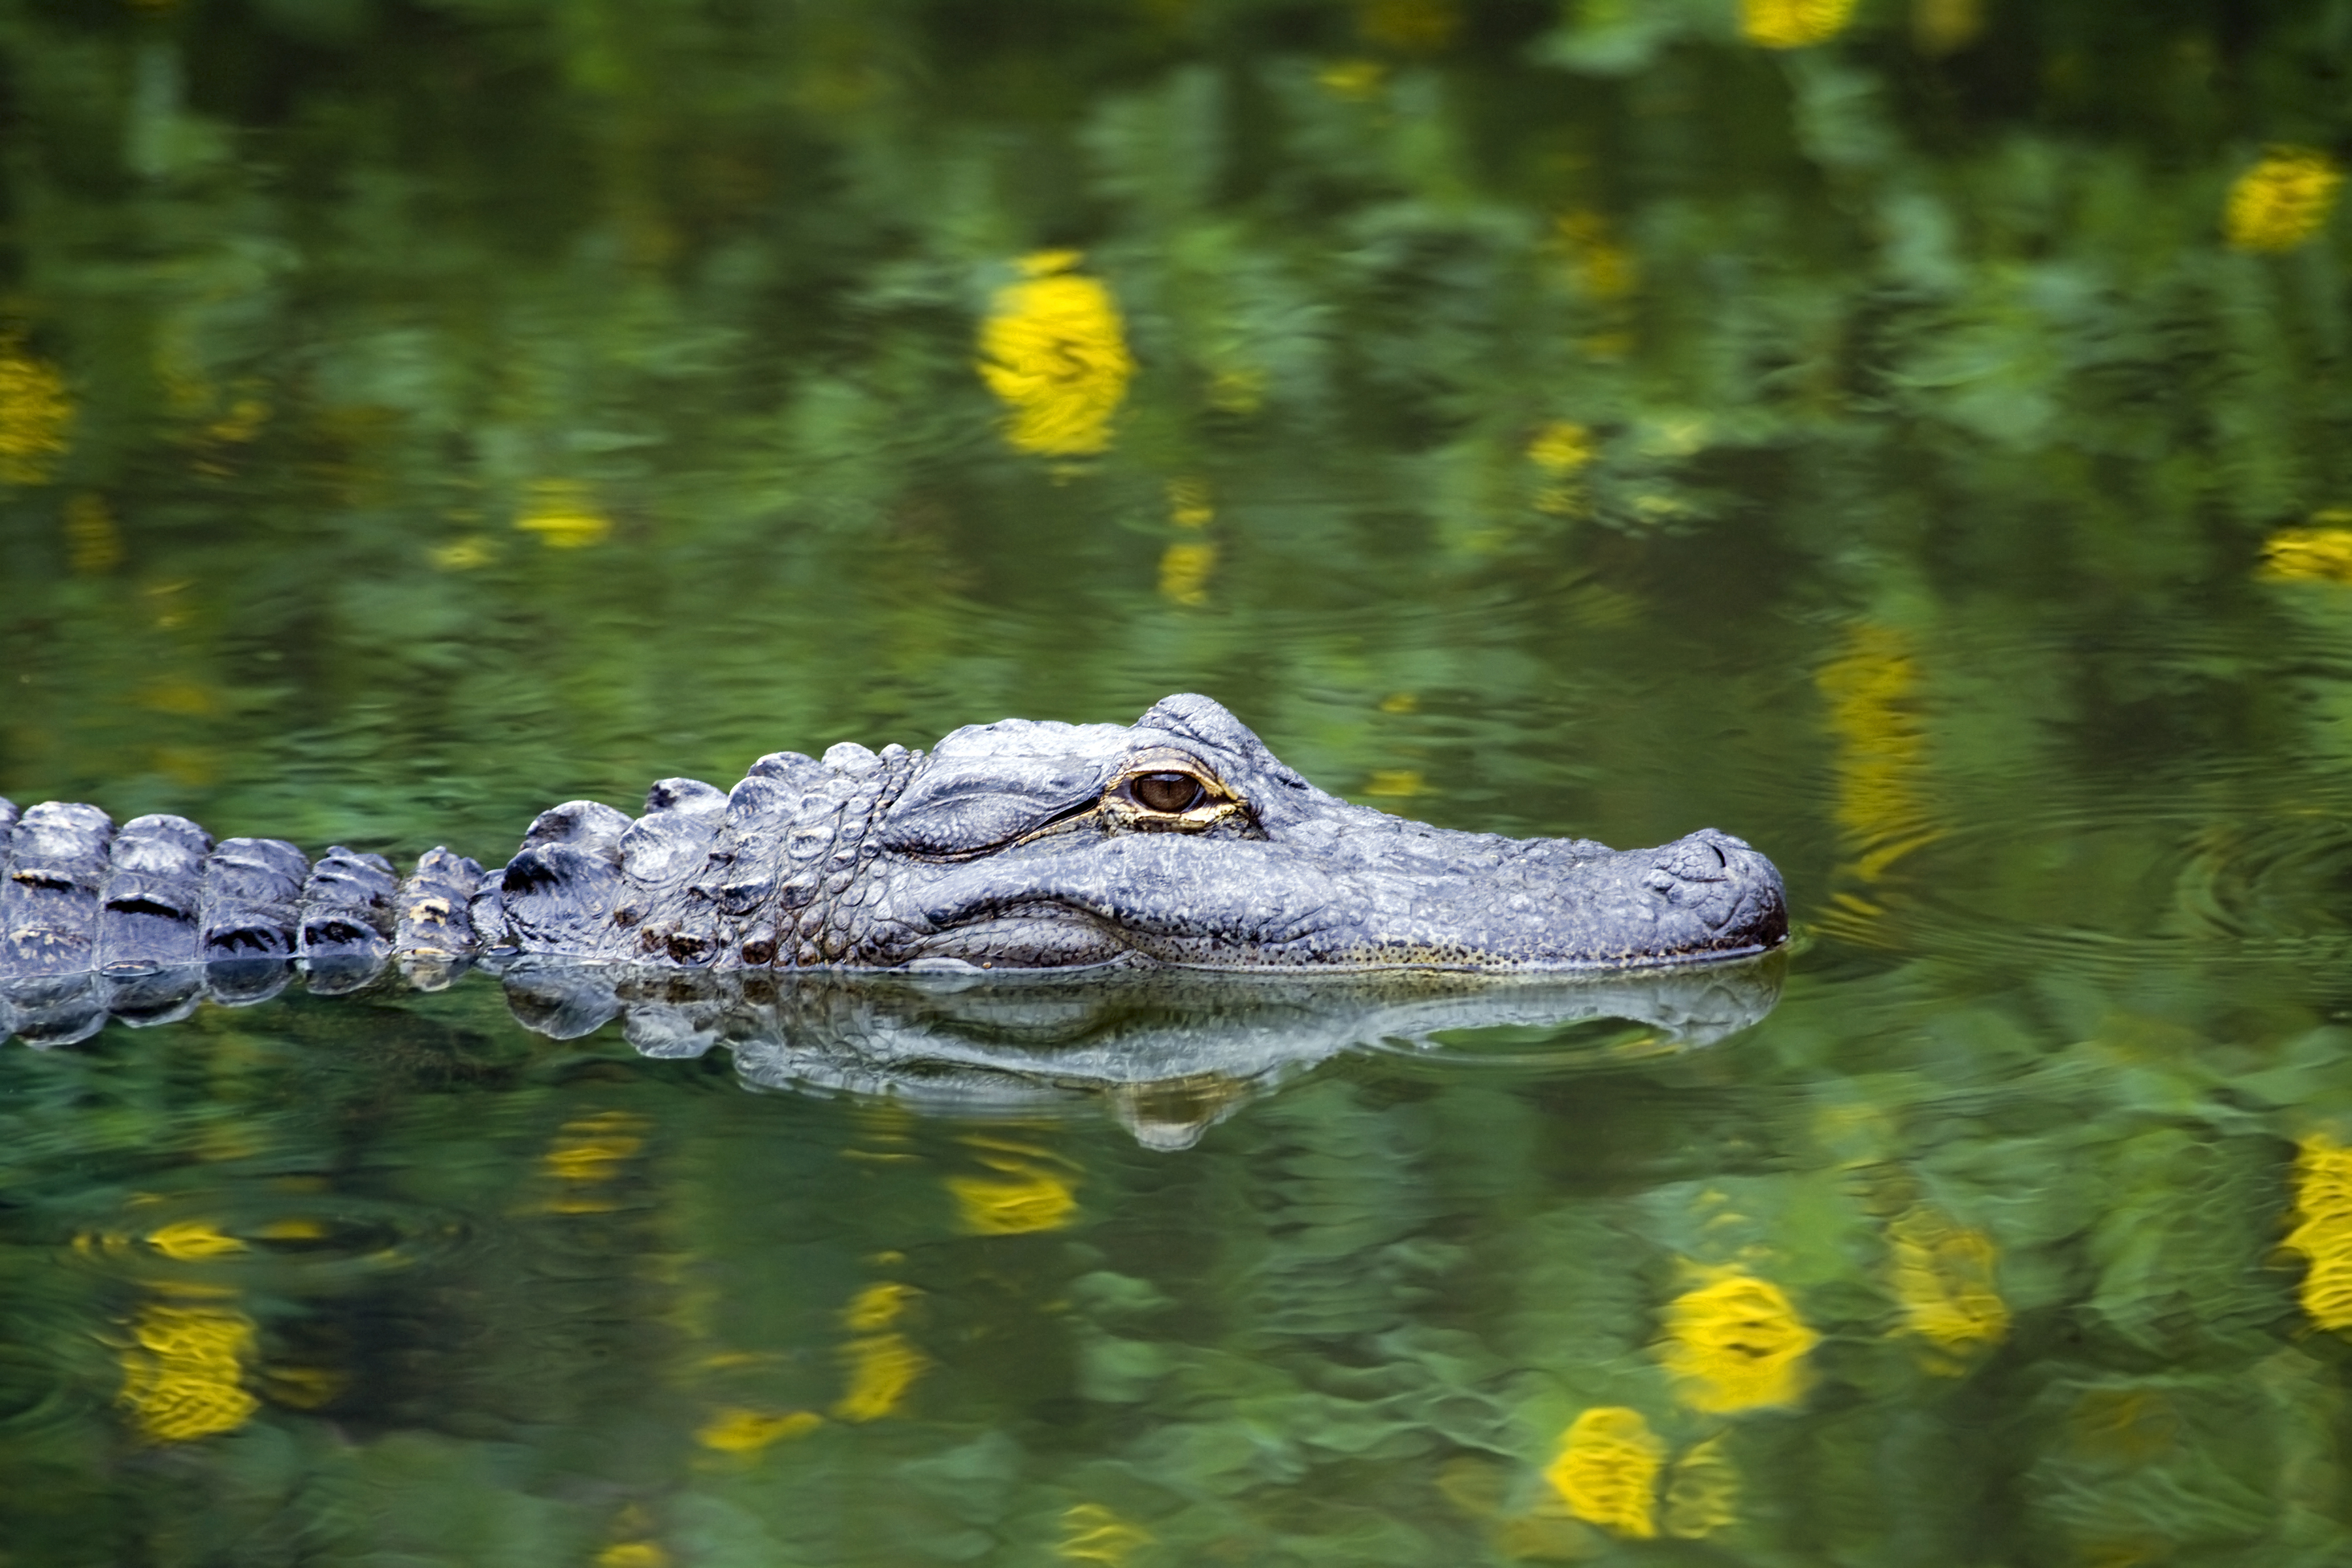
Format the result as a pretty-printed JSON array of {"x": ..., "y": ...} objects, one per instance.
[{"x": 1399, "y": 896}]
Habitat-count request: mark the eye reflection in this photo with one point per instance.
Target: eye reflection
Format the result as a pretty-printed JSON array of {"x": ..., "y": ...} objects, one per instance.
[{"x": 1169, "y": 792}]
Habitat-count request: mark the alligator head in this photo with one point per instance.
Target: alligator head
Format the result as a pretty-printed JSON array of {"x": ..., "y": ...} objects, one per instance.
[
  {"x": 1183, "y": 840},
  {"x": 1178, "y": 841}
]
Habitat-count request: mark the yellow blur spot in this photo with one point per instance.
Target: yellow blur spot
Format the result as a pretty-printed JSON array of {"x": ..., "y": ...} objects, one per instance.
[
  {"x": 1355, "y": 80},
  {"x": 1562, "y": 449},
  {"x": 463, "y": 555},
  {"x": 191, "y": 766},
  {"x": 1095, "y": 1534},
  {"x": 93, "y": 543},
  {"x": 242, "y": 423},
  {"x": 193, "y": 1241},
  {"x": 1409, "y": 26},
  {"x": 1598, "y": 264},
  {"x": 2123, "y": 1424},
  {"x": 735, "y": 1430},
  {"x": 882, "y": 1368},
  {"x": 35, "y": 414},
  {"x": 1189, "y": 505},
  {"x": 1607, "y": 1472},
  {"x": 2323, "y": 1229},
  {"x": 183, "y": 1371},
  {"x": 292, "y": 1230},
  {"x": 1053, "y": 350},
  {"x": 633, "y": 1554},
  {"x": 1793, "y": 24},
  {"x": 1736, "y": 1343},
  {"x": 1232, "y": 391},
  {"x": 178, "y": 695},
  {"x": 2281, "y": 201},
  {"x": 1703, "y": 1493},
  {"x": 1882, "y": 749},
  {"x": 2308, "y": 556},
  {"x": 563, "y": 514},
  {"x": 1395, "y": 783},
  {"x": 594, "y": 1148},
  {"x": 1184, "y": 569},
  {"x": 1399, "y": 702},
  {"x": 1021, "y": 1200},
  {"x": 1942, "y": 27},
  {"x": 1943, "y": 1277},
  {"x": 877, "y": 1307},
  {"x": 303, "y": 1387}
]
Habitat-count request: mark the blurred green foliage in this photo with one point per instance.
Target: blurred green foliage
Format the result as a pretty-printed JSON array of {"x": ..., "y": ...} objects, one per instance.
[
  {"x": 565, "y": 372},
  {"x": 1541, "y": 419}
]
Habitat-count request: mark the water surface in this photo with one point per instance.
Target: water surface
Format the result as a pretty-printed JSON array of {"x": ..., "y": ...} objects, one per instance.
[{"x": 1909, "y": 437}]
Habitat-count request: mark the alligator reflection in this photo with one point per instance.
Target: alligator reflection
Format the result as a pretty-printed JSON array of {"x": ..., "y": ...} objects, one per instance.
[{"x": 1167, "y": 1052}]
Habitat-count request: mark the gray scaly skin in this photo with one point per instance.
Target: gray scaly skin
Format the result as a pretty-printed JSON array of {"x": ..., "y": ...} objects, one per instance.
[{"x": 1179, "y": 841}]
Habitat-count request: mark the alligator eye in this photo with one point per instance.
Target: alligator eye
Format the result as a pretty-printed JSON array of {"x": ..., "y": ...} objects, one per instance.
[{"x": 1168, "y": 791}]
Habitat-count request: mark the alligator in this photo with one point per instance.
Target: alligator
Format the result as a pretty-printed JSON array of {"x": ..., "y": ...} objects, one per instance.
[{"x": 1178, "y": 841}]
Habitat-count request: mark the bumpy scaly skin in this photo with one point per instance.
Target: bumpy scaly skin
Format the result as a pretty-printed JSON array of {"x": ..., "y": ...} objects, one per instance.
[{"x": 1015, "y": 844}]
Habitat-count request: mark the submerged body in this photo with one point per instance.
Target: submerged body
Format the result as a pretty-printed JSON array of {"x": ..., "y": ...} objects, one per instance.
[{"x": 1180, "y": 840}]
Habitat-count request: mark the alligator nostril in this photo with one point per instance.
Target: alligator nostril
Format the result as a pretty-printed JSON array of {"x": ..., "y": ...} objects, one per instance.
[
  {"x": 1659, "y": 880},
  {"x": 1720, "y": 858}
]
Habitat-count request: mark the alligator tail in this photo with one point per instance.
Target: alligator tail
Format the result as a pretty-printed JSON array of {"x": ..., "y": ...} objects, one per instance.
[{"x": 140, "y": 920}]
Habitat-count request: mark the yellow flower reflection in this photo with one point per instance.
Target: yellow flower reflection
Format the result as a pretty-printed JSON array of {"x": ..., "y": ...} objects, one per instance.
[
  {"x": 1941, "y": 26},
  {"x": 882, "y": 1368},
  {"x": 1054, "y": 350},
  {"x": 882, "y": 1363},
  {"x": 1186, "y": 564},
  {"x": 633, "y": 1554},
  {"x": 733, "y": 1429},
  {"x": 1409, "y": 26},
  {"x": 1023, "y": 1195},
  {"x": 1561, "y": 450},
  {"x": 1943, "y": 1277},
  {"x": 183, "y": 1373},
  {"x": 1702, "y": 1494},
  {"x": 1190, "y": 504},
  {"x": 2323, "y": 1231},
  {"x": 1356, "y": 79},
  {"x": 1597, "y": 264},
  {"x": 1561, "y": 447},
  {"x": 193, "y": 1241},
  {"x": 877, "y": 1307},
  {"x": 1095, "y": 1534},
  {"x": 1012, "y": 1203},
  {"x": 586, "y": 1155},
  {"x": 564, "y": 515},
  {"x": 1882, "y": 748},
  {"x": 35, "y": 414},
  {"x": 1793, "y": 24},
  {"x": 1607, "y": 1472},
  {"x": 2308, "y": 556},
  {"x": 1184, "y": 569},
  {"x": 2281, "y": 201},
  {"x": 93, "y": 543},
  {"x": 1736, "y": 1343}
]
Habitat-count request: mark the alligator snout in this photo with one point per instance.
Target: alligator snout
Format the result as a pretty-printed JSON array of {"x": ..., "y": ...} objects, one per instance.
[{"x": 1726, "y": 886}]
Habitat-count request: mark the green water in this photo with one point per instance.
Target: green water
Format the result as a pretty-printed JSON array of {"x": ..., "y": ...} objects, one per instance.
[{"x": 1922, "y": 451}]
